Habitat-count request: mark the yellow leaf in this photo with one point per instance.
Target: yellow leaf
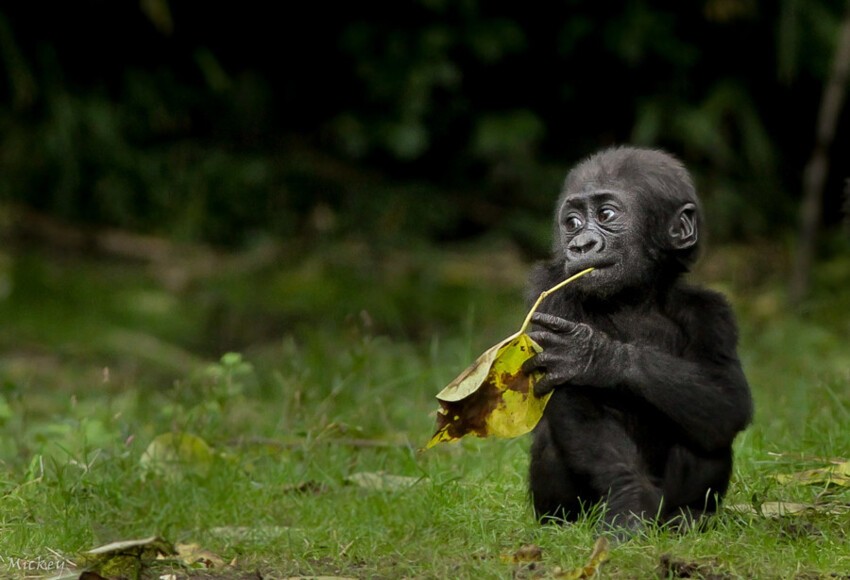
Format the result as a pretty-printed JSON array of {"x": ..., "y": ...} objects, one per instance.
[
  {"x": 775, "y": 509},
  {"x": 600, "y": 554},
  {"x": 771, "y": 508},
  {"x": 838, "y": 474},
  {"x": 493, "y": 396},
  {"x": 151, "y": 547},
  {"x": 172, "y": 455},
  {"x": 194, "y": 556},
  {"x": 125, "y": 559}
]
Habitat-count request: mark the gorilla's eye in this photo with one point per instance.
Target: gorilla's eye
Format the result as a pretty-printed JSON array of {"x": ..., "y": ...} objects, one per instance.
[
  {"x": 606, "y": 214},
  {"x": 572, "y": 223}
]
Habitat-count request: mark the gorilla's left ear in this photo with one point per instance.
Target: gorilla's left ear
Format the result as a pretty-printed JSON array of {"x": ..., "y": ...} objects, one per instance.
[{"x": 683, "y": 227}]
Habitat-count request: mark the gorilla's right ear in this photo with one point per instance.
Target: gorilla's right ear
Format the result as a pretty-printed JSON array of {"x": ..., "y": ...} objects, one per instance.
[{"x": 683, "y": 231}]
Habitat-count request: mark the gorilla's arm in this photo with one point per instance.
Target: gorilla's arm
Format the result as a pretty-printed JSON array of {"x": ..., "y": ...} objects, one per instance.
[{"x": 704, "y": 390}]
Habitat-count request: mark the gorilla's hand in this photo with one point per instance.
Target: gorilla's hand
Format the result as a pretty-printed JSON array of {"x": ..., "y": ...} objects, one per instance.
[{"x": 573, "y": 352}]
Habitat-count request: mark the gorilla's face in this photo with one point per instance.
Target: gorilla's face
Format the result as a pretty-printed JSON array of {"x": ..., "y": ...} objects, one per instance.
[
  {"x": 605, "y": 229},
  {"x": 633, "y": 215}
]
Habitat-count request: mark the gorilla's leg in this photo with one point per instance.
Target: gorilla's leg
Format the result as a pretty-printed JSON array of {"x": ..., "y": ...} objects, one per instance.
[
  {"x": 582, "y": 454},
  {"x": 694, "y": 484},
  {"x": 554, "y": 493}
]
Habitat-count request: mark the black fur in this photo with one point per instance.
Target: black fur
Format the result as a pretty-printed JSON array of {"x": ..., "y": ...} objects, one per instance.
[{"x": 649, "y": 391}]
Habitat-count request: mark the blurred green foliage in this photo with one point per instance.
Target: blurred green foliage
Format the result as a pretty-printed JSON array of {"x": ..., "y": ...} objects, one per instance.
[{"x": 219, "y": 123}]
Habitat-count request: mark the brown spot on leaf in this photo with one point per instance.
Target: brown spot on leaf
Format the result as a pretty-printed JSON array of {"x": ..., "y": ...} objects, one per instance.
[
  {"x": 470, "y": 415},
  {"x": 519, "y": 382}
]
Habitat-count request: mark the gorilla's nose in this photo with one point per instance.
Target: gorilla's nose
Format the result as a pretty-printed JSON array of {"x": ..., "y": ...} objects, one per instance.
[{"x": 584, "y": 244}]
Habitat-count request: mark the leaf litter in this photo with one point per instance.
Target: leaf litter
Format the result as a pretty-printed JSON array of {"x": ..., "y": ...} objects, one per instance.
[
  {"x": 833, "y": 477},
  {"x": 380, "y": 481},
  {"x": 527, "y": 558},
  {"x": 129, "y": 558},
  {"x": 835, "y": 474}
]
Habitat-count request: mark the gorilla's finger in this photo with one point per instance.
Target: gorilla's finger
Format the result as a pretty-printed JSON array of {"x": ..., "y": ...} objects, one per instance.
[
  {"x": 545, "y": 339},
  {"x": 549, "y": 382},
  {"x": 544, "y": 386},
  {"x": 553, "y": 322},
  {"x": 532, "y": 364}
]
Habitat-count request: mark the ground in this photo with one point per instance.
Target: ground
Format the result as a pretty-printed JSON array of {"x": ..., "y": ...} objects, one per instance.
[{"x": 299, "y": 454}]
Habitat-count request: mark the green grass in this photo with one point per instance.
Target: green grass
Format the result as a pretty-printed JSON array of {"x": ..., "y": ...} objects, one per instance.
[{"x": 345, "y": 349}]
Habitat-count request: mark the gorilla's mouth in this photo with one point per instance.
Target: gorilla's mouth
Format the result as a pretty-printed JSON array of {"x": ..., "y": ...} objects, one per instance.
[{"x": 581, "y": 265}]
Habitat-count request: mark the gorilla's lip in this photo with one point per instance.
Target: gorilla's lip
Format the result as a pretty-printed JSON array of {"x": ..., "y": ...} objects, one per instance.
[{"x": 578, "y": 267}]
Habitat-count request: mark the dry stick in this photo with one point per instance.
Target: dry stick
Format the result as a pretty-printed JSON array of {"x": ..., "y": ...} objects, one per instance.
[
  {"x": 546, "y": 293},
  {"x": 817, "y": 169}
]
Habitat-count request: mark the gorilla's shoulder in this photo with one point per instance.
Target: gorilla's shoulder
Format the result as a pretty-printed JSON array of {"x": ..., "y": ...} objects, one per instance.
[
  {"x": 698, "y": 296},
  {"x": 698, "y": 306}
]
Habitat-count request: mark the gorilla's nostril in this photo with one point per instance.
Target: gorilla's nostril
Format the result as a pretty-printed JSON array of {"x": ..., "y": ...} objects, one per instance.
[{"x": 583, "y": 244}]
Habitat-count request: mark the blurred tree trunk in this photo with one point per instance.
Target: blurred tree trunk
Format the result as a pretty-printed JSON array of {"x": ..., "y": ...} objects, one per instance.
[
  {"x": 847, "y": 207},
  {"x": 817, "y": 169}
]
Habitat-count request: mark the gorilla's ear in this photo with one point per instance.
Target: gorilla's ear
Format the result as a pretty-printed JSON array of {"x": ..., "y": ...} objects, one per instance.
[{"x": 683, "y": 227}]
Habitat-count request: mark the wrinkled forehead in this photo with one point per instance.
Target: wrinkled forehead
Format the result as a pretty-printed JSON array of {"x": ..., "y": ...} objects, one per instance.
[
  {"x": 630, "y": 180},
  {"x": 595, "y": 195},
  {"x": 586, "y": 180},
  {"x": 594, "y": 192}
]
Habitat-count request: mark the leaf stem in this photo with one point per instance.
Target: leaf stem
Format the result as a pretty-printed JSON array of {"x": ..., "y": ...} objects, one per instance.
[{"x": 546, "y": 293}]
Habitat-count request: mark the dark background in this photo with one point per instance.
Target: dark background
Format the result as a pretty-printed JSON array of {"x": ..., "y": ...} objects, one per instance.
[
  {"x": 353, "y": 149},
  {"x": 211, "y": 121}
]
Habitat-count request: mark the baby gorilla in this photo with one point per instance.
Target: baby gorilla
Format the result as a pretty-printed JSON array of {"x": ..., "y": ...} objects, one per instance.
[{"x": 649, "y": 391}]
